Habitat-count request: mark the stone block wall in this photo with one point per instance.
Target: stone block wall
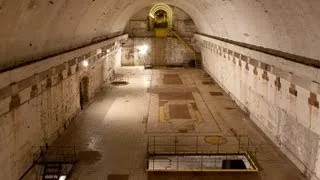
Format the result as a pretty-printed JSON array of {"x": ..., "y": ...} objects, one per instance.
[
  {"x": 38, "y": 101},
  {"x": 161, "y": 51},
  {"x": 281, "y": 97}
]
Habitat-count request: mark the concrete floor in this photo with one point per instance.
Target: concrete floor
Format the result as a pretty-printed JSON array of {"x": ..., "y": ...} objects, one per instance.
[{"x": 111, "y": 134}]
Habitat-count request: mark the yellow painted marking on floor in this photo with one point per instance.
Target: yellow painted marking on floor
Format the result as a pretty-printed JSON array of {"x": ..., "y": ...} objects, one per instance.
[
  {"x": 161, "y": 32},
  {"x": 215, "y": 139},
  {"x": 161, "y": 114},
  {"x": 199, "y": 119}
]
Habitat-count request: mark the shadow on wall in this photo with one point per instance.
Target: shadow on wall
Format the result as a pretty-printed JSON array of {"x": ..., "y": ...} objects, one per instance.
[{"x": 84, "y": 91}]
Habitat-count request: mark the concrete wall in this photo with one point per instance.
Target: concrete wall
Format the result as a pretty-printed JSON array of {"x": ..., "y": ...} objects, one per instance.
[
  {"x": 281, "y": 97},
  {"x": 161, "y": 51},
  {"x": 38, "y": 101}
]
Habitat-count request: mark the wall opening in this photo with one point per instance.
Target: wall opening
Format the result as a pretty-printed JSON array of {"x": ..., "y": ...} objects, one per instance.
[
  {"x": 160, "y": 17},
  {"x": 84, "y": 91}
]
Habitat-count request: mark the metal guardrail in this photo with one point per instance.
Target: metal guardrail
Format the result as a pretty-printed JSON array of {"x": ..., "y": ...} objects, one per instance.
[
  {"x": 185, "y": 43},
  {"x": 200, "y": 144},
  {"x": 120, "y": 78},
  {"x": 200, "y": 163},
  {"x": 54, "y": 161},
  {"x": 197, "y": 56},
  {"x": 55, "y": 154},
  {"x": 203, "y": 147}
]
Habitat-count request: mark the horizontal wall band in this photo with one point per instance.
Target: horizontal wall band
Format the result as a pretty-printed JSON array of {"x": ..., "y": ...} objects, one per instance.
[
  {"x": 5, "y": 69},
  {"x": 291, "y": 57}
]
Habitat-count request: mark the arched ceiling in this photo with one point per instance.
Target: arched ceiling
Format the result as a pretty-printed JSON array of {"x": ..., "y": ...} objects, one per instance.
[{"x": 32, "y": 29}]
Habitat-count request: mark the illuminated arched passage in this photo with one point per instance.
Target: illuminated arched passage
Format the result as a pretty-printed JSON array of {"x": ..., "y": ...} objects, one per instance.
[{"x": 160, "y": 17}]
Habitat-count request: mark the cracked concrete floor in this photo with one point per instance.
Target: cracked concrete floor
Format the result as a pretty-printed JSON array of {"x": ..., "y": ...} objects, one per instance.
[{"x": 111, "y": 134}]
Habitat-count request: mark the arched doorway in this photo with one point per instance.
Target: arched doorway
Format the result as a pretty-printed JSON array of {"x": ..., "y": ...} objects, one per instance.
[
  {"x": 160, "y": 17},
  {"x": 84, "y": 91}
]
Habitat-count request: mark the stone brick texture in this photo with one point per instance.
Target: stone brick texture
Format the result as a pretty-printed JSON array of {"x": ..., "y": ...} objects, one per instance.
[
  {"x": 36, "y": 108},
  {"x": 281, "y": 100}
]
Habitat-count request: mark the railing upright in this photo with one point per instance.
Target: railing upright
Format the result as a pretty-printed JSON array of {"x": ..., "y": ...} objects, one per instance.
[
  {"x": 177, "y": 162},
  {"x": 218, "y": 148},
  {"x": 239, "y": 144},
  {"x": 153, "y": 162},
  {"x": 197, "y": 144},
  {"x": 201, "y": 162},
  {"x": 154, "y": 145},
  {"x": 175, "y": 144}
]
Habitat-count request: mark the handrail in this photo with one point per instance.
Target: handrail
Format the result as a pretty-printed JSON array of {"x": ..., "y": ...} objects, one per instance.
[
  {"x": 188, "y": 46},
  {"x": 198, "y": 146},
  {"x": 240, "y": 145}
]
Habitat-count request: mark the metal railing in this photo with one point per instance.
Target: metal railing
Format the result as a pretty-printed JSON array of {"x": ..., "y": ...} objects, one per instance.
[
  {"x": 55, "y": 154},
  {"x": 54, "y": 161},
  {"x": 200, "y": 145},
  {"x": 196, "y": 55},
  {"x": 187, "y": 45},
  {"x": 210, "y": 163},
  {"x": 208, "y": 150}
]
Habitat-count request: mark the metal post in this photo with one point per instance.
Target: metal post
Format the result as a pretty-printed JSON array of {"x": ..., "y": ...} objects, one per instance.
[
  {"x": 218, "y": 149},
  {"x": 202, "y": 162},
  {"x": 197, "y": 144},
  {"x": 175, "y": 145},
  {"x": 239, "y": 144},
  {"x": 148, "y": 145},
  {"x": 177, "y": 162},
  {"x": 154, "y": 145}
]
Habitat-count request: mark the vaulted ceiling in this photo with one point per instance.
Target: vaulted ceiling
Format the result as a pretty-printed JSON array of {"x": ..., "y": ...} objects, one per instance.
[{"x": 31, "y": 29}]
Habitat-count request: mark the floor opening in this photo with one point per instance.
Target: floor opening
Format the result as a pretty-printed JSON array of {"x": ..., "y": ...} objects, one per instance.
[
  {"x": 233, "y": 164},
  {"x": 201, "y": 154},
  {"x": 201, "y": 162}
]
